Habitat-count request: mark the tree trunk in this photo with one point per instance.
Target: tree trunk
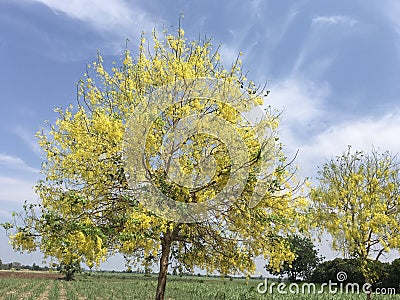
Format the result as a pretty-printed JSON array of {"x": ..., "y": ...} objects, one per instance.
[
  {"x": 369, "y": 296},
  {"x": 162, "y": 275}
]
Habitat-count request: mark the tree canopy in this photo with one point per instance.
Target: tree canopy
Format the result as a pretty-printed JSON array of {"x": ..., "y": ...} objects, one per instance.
[
  {"x": 357, "y": 203},
  {"x": 97, "y": 199}
]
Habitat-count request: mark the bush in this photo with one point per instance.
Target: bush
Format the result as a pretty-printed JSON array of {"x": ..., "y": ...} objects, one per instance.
[
  {"x": 385, "y": 275},
  {"x": 328, "y": 270},
  {"x": 391, "y": 278}
]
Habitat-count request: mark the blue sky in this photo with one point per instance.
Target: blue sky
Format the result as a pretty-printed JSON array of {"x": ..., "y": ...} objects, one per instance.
[{"x": 333, "y": 67}]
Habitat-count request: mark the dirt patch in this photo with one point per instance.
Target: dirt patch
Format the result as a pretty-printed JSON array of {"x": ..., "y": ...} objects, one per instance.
[{"x": 29, "y": 274}]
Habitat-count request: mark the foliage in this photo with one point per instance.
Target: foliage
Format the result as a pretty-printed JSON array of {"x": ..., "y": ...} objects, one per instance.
[
  {"x": 357, "y": 202},
  {"x": 394, "y": 278},
  {"x": 88, "y": 210},
  {"x": 305, "y": 262},
  {"x": 391, "y": 276}
]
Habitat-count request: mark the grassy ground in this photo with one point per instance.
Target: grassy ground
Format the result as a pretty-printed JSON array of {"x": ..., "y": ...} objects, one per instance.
[{"x": 31, "y": 285}]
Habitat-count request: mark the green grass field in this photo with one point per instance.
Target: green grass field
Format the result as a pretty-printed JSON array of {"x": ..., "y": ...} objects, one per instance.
[{"x": 140, "y": 287}]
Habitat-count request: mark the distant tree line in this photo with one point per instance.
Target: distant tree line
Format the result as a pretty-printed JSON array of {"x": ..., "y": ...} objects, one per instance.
[{"x": 18, "y": 266}]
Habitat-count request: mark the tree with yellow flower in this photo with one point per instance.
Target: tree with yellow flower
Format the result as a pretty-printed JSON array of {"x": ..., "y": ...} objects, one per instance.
[
  {"x": 163, "y": 160},
  {"x": 357, "y": 202}
]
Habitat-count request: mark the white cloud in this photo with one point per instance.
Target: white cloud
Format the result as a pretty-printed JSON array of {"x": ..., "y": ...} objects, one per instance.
[
  {"x": 300, "y": 100},
  {"x": 302, "y": 105},
  {"x": 117, "y": 16},
  {"x": 334, "y": 20},
  {"x": 16, "y": 182},
  {"x": 5, "y": 215},
  {"x": 16, "y": 190},
  {"x": 308, "y": 126},
  {"x": 363, "y": 134},
  {"x": 15, "y": 163},
  {"x": 228, "y": 55}
]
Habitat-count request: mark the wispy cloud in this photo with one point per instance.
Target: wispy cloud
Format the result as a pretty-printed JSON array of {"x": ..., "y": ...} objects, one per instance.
[
  {"x": 334, "y": 20},
  {"x": 118, "y": 17},
  {"x": 255, "y": 6},
  {"x": 316, "y": 55},
  {"x": 278, "y": 32},
  {"x": 391, "y": 10},
  {"x": 28, "y": 138},
  {"x": 15, "y": 163}
]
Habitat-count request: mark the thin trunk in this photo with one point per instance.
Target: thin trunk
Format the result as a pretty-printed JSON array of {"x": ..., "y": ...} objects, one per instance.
[
  {"x": 366, "y": 277},
  {"x": 164, "y": 260},
  {"x": 380, "y": 253},
  {"x": 369, "y": 296}
]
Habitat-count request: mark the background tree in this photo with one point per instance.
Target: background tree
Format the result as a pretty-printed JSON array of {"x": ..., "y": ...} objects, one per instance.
[
  {"x": 88, "y": 209},
  {"x": 392, "y": 279},
  {"x": 357, "y": 202},
  {"x": 305, "y": 262}
]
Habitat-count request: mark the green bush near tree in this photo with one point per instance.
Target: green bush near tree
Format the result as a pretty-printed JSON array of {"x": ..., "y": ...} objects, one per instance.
[{"x": 384, "y": 274}]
